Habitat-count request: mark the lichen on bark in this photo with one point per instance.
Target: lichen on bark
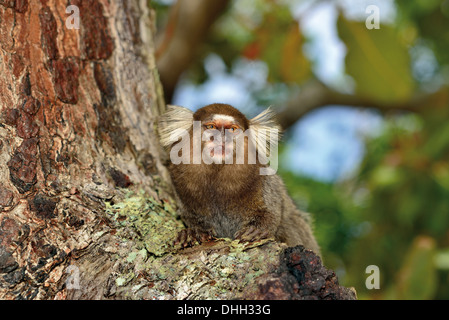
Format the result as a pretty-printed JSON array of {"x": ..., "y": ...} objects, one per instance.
[
  {"x": 149, "y": 266},
  {"x": 153, "y": 268}
]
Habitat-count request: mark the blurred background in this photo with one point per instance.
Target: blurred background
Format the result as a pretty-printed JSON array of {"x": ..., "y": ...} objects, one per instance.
[{"x": 361, "y": 90}]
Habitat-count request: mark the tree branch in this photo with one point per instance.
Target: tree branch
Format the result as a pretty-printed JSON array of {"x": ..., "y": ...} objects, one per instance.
[
  {"x": 315, "y": 95},
  {"x": 188, "y": 25},
  {"x": 146, "y": 265}
]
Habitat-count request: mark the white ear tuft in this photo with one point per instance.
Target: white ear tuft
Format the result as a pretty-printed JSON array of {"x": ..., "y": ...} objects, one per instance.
[
  {"x": 264, "y": 126},
  {"x": 176, "y": 120}
]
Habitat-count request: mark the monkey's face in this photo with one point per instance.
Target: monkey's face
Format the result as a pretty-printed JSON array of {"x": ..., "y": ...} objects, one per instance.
[
  {"x": 219, "y": 134},
  {"x": 221, "y": 138}
]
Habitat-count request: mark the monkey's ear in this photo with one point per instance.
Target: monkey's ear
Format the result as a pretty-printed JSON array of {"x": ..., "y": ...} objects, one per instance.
[
  {"x": 263, "y": 126},
  {"x": 173, "y": 123}
]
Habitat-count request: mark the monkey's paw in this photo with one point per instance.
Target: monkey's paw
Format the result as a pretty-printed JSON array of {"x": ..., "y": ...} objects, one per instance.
[
  {"x": 251, "y": 233},
  {"x": 189, "y": 237}
]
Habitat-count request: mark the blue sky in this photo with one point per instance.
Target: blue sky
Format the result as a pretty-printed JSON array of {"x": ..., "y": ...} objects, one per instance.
[{"x": 326, "y": 144}]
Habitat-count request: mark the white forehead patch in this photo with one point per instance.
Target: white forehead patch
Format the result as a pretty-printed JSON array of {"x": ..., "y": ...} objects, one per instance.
[{"x": 223, "y": 117}]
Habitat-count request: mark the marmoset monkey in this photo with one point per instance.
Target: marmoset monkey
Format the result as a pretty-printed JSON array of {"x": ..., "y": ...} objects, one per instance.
[{"x": 218, "y": 171}]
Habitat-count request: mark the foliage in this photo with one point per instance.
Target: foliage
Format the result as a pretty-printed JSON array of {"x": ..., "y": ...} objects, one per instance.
[
  {"x": 377, "y": 60},
  {"x": 405, "y": 171},
  {"x": 394, "y": 211}
]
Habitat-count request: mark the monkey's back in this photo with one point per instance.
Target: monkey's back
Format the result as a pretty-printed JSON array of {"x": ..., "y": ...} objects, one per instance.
[{"x": 295, "y": 226}]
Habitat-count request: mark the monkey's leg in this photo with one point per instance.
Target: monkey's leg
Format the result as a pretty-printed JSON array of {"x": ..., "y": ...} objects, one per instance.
[
  {"x": 188, "y": 237},
  {"x": 251, "y": 233}
]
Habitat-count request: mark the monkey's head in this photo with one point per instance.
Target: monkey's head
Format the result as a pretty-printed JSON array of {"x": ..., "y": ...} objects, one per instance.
[{"x": 217, "y": 133}]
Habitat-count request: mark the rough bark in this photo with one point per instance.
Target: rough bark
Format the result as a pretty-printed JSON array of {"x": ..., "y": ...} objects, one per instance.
[
  {"x": 77, "y": 118},
  {"x": 86, "y": 206}
]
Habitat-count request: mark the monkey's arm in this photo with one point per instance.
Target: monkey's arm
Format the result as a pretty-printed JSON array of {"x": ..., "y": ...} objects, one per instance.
[
  {"x": 198, "y": 230},
  {"x": 263, "y": 213},
  {"x": 262, "y": 225}
]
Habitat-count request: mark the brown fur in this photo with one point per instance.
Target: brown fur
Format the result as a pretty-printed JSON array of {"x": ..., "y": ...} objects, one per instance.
[
  {"x": 235, "y": 201},
  {"x": 220, "y": 108}
]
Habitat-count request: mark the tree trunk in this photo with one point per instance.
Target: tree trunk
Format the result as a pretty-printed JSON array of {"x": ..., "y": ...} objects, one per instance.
[
  {"x": 77, "y": 120},
  {"x": 86, "y": 204}
]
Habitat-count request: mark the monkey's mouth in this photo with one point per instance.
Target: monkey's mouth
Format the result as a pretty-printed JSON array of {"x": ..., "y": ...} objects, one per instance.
[{"x": 218, "y": 151}]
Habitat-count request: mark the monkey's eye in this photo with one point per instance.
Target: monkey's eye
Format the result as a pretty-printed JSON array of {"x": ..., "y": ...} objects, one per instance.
[
  {"x": 234, "y": 129},
  {"x": 210, "y": 126}
]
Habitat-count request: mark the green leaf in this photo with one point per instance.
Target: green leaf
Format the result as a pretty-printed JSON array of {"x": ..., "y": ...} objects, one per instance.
[
  {"x": 442, "y": 259},
  {"x": 295, "y": 67},
  {"x": 384, "y": 176},
  {"x": 377, "y": 60},
  {"x": 438, "y": 141},
  {"x": 417, "y": 279},
  {"x": 440, "y": 172},
  {"x": 278, "y": 42}
]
